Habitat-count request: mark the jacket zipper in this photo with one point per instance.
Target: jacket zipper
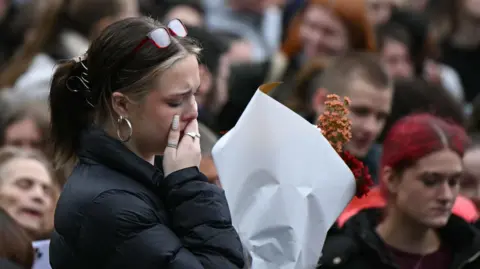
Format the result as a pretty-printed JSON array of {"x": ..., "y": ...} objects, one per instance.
[{"x": 471, "y": 259}]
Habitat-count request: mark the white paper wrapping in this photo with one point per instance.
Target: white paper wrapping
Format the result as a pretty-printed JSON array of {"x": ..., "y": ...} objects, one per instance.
[{"x": 284, "y": 183}]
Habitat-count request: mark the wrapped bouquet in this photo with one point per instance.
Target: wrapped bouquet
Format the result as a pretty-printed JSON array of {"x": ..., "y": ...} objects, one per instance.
[{"x": 286, "y": 183}]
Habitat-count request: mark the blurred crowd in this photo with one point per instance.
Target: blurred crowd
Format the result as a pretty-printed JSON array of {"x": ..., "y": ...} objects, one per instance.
[{"x": 392, "y": 58}]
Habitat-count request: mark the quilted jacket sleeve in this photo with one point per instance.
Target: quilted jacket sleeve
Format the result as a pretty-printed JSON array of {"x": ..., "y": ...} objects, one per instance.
[
  {"x": 201, "y": 219},
  {"x": 131, "y": 235}
]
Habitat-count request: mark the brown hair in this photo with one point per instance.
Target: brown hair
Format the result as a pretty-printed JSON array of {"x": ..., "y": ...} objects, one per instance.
[
  {"x": 336, "y": 78},
  {"x": 15, "y": 244},
  {"x": 352, "y": 13},
  {"x": 112, "y": 64},
  {"x": 54, "y": 15}
]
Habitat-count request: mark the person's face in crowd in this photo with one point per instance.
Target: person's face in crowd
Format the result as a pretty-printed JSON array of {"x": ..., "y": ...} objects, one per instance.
[
  {"x": 379, "y": 11},
  {"x": 186, "y": 14},
  {"x": 471, "y": 8},
  {"x": 427, "y": 191},
  {"x": 27, "y": 192},
  {"x": 370, "y": 106},
  {"x": 470, "y": 184},
  {"x": 151, "y": 118},
  {"x": 396, "y": 57},
  {"x": 24, "y": 134},
  {"x": 322, "y": 33}
]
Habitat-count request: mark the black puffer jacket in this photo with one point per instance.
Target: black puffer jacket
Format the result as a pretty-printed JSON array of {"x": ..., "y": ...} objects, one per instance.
[
  {"x": 118, "y": 211},
  {"x": 359, "y": 247}
]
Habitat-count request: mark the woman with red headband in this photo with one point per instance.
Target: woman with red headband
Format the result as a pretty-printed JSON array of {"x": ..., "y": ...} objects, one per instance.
[
  {"x": 125, "y": 114},
  {"x": 421, "y": 170}
]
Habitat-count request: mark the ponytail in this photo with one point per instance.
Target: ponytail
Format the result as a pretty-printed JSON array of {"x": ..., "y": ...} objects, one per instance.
[
  {"x": 41, "y": 34},
  {"x": 70, "y": 113}
]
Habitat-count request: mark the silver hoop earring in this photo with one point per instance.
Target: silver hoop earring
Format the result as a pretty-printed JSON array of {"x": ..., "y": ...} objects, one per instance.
[{"x": 130, "y": 129}]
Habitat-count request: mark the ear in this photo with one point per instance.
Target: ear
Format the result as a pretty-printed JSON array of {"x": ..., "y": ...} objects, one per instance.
[
  {"x": 390, "y": 180},
  {"x": 120, "y": 104},
  {"x": 318, "y": 100}
]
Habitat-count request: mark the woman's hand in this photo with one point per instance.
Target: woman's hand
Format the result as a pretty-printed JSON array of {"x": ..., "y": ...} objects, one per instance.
[{"x": 182, "y": 152}]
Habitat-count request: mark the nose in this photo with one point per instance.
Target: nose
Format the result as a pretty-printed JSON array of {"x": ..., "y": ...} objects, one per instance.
[
  {"x": 190, "y": 111},
  {"x": 38, "y": 195},
  {"x": 370, "y": 125},
  {"x": 446, "y": 192}
]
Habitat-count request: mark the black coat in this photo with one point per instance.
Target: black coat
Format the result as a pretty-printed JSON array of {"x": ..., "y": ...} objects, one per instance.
[
  {"x": 118, "y": 211},
  {"x": 359, "y": 247}
]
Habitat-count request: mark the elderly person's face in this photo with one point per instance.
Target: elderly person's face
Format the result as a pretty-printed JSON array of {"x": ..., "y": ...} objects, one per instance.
[{"x": 27, "y": 192}]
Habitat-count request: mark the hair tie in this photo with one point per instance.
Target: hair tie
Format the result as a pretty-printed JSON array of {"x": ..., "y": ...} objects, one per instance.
[{"x": 80, "y": 83}]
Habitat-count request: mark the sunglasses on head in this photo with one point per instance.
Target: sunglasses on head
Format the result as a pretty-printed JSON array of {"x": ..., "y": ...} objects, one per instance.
[{"x": 161, "y": 37}]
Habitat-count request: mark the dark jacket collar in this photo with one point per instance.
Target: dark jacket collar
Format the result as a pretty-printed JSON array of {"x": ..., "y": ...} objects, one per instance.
[
  {"x": 97, "y": 147},
  {"x": 461, "y": 236}
]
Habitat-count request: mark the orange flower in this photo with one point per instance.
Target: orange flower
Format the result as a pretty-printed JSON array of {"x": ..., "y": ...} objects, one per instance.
[
  {"x": 334, "y": 123},
  {"x": 337, "y": 129}
]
